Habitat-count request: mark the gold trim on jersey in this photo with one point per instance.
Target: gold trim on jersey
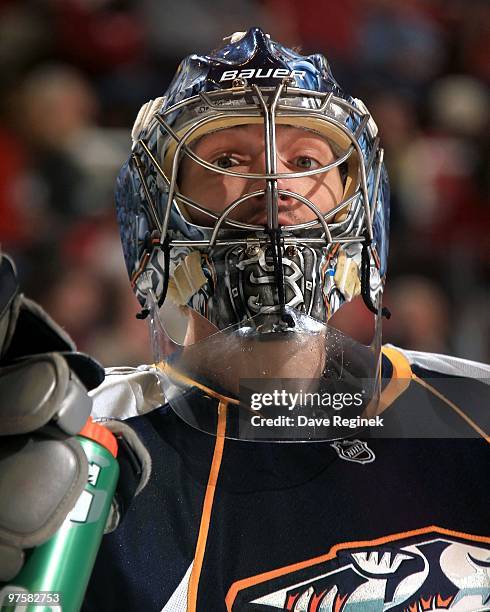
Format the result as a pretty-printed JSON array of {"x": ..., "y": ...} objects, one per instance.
[
  {"x": 400, "y": 379},
  {"x": 207, "y": 509}
]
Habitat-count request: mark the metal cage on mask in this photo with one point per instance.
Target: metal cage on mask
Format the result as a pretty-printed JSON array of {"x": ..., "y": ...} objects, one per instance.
[{"x": 169, "y": 132}]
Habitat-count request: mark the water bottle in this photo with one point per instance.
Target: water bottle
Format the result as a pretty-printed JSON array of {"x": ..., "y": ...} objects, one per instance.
[{"x": 55, "y": 575}]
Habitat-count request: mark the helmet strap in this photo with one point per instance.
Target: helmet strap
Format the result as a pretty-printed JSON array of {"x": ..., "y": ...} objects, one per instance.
[
  {"x": 365, "y": 280},
  {"x": 165, "y": 247}
]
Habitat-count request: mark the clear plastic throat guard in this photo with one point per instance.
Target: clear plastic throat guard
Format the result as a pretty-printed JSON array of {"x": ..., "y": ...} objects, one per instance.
[{"x": 263, "y": 381}]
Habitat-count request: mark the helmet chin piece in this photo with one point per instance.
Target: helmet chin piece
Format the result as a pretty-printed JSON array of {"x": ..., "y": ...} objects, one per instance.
[{"x": 234, "y": 282}]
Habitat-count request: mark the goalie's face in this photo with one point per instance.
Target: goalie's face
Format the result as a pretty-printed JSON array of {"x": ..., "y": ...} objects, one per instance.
[{"x": 242, "y": 149}]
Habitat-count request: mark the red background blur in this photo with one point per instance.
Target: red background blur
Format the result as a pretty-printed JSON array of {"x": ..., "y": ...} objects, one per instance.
[{"x": 74, "y": 74}]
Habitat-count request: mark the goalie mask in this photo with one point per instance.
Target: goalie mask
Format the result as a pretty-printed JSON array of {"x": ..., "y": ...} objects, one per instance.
[{"x": 243, "y": 287}]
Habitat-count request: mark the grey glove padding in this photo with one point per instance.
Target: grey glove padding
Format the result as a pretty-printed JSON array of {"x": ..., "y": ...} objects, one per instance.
[
  {"x": 122, "y": 430},
  {"x": 36, "y": 390},
  {"x": 135, "y": 469},
  {"x": 43, "y": 403},
  {"x": 41, "y": 478}
]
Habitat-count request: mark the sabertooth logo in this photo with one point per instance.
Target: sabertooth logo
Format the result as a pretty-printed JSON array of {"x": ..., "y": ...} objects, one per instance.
[{"x": 428, "y": 571}]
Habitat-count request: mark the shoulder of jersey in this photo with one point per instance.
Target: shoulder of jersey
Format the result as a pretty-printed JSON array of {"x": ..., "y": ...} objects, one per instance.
[
  {"x": 458, "y": 390},
  {"x": 127, "y": 392},
  {"x": 445, "y": 364}
]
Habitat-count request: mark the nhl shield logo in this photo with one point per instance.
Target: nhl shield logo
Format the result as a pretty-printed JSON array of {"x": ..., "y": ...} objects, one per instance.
[{"x": 356, "y": 451}]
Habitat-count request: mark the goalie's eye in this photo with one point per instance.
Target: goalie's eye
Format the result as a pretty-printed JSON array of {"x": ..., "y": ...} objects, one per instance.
[
  {"x": 225, "y": 161},
  {"x": 306, "y": 163}
]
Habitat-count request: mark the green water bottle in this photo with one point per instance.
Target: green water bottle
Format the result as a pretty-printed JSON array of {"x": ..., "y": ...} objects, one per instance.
[{"x": 55, "y": 575}]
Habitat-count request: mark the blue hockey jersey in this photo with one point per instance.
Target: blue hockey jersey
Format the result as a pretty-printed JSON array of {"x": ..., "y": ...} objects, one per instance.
[{"x": 396, "y": 522}]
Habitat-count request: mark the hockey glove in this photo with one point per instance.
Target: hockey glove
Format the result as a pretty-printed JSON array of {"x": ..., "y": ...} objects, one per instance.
[{"x": 43, "y": 404}]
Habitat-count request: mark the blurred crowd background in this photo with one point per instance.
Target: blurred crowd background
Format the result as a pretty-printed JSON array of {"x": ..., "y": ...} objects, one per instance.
[{"x": 74, "y": 74}]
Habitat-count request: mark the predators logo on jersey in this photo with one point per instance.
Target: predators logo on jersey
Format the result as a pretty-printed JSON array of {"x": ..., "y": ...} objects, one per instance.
[{"x": 427, "y": 569}]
